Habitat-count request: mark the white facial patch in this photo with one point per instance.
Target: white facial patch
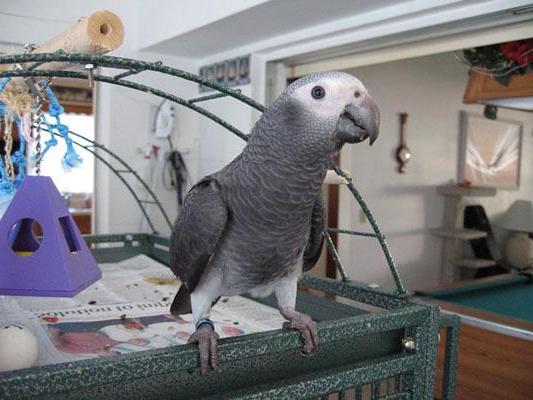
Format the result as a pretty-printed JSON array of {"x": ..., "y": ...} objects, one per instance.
[{"x": 339, "y": 92}]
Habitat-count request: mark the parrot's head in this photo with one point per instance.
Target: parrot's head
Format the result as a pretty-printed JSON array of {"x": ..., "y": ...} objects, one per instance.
[{"x": 335, "y": 105}]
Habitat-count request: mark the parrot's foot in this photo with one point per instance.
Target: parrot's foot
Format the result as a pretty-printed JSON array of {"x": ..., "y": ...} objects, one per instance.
[
  {"x": 303, "y": 324},
  {"x": 206, "y": 337}
]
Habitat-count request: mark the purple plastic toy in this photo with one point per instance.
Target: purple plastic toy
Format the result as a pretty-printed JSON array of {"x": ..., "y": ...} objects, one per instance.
[{"x": 61, "y": 265}]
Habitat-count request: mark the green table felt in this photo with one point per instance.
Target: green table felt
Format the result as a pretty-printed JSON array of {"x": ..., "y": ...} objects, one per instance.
[{"x": 513, "y": 300}]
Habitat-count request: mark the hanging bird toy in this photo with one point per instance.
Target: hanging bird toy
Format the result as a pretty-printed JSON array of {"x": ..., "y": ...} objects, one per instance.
[{"x": 15, "y": 111}]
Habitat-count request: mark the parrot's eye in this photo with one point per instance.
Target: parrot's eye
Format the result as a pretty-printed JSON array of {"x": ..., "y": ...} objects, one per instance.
[
  {"x": 318, "y": 92},
  {"x": 357, "y": 94}
]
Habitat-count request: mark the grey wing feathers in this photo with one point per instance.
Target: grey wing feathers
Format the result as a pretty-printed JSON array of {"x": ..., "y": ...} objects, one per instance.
[
  {"x": 196, "y": 232},
  {"x": 316, "y": 236}
]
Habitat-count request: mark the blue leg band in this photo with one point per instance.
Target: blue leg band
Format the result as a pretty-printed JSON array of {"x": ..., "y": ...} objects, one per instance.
[{"x": 205, "y": 321}]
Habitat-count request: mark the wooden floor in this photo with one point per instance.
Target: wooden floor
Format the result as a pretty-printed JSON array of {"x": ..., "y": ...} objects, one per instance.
[{"x": 491, "y": 366}]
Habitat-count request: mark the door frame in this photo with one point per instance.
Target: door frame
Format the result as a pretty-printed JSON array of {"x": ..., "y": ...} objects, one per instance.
[{"x": 277, "y": 74}]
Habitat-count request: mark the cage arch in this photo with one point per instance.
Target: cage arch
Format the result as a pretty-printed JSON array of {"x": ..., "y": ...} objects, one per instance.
[{"x": 30, "y": 62}]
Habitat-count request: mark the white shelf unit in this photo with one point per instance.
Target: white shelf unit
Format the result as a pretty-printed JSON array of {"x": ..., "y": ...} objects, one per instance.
[
  {"x": 473, "y": 263},
  {"x": 461, "y": 234},
  {"x": 453, "y": 233}
]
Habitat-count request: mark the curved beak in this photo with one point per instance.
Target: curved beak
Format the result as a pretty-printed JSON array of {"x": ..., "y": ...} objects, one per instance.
[{"x": 357, "y": 123}]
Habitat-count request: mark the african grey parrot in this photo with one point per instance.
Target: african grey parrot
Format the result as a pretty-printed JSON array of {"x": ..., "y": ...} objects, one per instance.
[{"x": 257, "y": 224}]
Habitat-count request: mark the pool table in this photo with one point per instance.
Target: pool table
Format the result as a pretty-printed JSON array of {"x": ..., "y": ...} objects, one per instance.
[{"x": 496, "y": 342}]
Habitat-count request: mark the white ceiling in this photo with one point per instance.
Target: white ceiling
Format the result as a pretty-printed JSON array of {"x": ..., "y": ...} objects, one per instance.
[
  {"x": 297, "y": 31},
  {"x": 302, "y": 31},
  {"x": 412, "y": 36},
  {"x": 272, "y": 18}
]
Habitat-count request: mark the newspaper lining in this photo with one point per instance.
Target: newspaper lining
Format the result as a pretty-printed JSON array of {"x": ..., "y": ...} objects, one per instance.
[{"x": 126, "y": 311}]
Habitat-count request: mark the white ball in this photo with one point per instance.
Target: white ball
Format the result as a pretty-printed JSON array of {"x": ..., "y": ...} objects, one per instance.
[{"x": 18, "y": 348}]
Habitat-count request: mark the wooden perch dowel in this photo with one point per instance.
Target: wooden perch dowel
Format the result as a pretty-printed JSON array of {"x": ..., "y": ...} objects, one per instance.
[{"x": 98, "y": 33}]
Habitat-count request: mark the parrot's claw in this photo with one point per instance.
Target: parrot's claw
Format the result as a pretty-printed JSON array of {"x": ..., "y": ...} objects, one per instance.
[
  {"x": 306, "y": 326},
  {"x": 206, "y": 338}
]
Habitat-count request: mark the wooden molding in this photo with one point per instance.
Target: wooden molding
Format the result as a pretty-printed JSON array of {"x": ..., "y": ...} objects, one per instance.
[{"x": 483, "y": 87}]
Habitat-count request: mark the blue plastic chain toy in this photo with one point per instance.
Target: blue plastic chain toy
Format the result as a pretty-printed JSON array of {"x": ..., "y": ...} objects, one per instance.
[
  {"x": 71, "y": 158},
  {"x": 9, "y": 183}
]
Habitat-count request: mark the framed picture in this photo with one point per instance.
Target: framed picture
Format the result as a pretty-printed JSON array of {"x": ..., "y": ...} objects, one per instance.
[
  {"x": 203, "y": 74},
  {"x": 220, "y": 73},
  {"x": 490, "y": 152},
  {"x": 207, "y": 72},
  {"x": 244, "y": 70},
  {"x": 231, "y": 72}
]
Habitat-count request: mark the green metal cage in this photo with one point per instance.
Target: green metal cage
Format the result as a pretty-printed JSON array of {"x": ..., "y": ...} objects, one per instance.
[{"x": 382, "y": 345}]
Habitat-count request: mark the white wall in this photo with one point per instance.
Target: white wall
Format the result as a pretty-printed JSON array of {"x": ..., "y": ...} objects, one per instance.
[
  {"x": 217, "y": 145},
  {"x": 430, "y": 90},
  {"x": 124, "y": 124},
  {"x": 125, "y": 121}
]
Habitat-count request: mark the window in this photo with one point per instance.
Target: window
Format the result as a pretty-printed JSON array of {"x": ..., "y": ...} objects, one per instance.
[{"x": 77, "y": 180}]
